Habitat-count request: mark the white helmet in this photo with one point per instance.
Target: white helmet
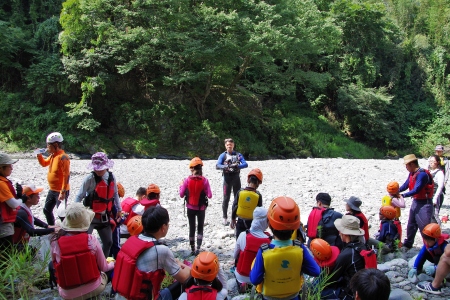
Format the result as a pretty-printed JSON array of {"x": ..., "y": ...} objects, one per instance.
[{"x": 54, "y": 137}]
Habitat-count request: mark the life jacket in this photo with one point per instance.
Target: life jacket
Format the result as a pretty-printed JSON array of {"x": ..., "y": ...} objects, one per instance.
[
  {"x": 387, "y": 201},
  {"x": 20, "y": 234},
  {"x": 247, "y": 202},
  {"x": 313, "y": 221},
  {"x": 282, "y": 270},
  {"x": 247, "y": 255},
  {"x": 129, "y": 281},
  {"x": 437, "y": 250},
  {"x": 147, "y": 203},
  {"x": 203, "y": 292},
  {"x": 365, "y": 227},
  {"x": 230, "y": 159},
  {"x": 427, "y": 191},
  {"x": 127, "y": 207},
  {"x": 78, "y": 265},
  {"x": 103, "y": 196},
  {"x": 7, "y": 214},
  {"x": 327, "y": 230},
  {"x": 195, "y": 188}
]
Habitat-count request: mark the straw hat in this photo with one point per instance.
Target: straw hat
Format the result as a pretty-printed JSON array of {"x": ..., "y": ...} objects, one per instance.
[
  {"x": 78, "y": 218},
  {"x": 409, "y": 158},
  {"x": 348, "y": 225}
]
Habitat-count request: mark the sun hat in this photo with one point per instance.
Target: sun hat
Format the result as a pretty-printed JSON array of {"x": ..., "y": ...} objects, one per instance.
[
  {"x": 100, "y": 162},
  {"x": 6, "y": 160},
  {"x": 325, "y": 198},
  {"x": 31, "y": 189},
  {"x": 409, "y": 158},
  {"x": 354, "y": 203},
  {"x": 439, "y": 148},
  {"x": 78, "y": 218},
  {"x": 348, "y": 225}
]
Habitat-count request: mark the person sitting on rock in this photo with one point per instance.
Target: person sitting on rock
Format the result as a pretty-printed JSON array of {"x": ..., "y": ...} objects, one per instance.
[
  {"x": 370, "y": 284},
  {"x": 352, "y": 207},
  {"x": 442, "y": 270},
  {"x": 434, "y": 243},
  {"x": 388, "y": 233},
  {"x": 131, "y": 207},
  {"x": 321, "y": 221},
  {"x": 324, "y": 254}
]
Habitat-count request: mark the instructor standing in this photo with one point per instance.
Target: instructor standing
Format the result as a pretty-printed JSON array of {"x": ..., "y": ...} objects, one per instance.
[
  {"x": 420, "y": 185},
  {"x": 231, "y": 163}
]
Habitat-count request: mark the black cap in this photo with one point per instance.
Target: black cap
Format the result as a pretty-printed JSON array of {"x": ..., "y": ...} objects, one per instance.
[{"x": 324, "y": 198}]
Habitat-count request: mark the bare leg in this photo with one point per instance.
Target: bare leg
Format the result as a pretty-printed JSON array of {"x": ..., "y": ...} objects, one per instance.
[{"x": 443, "y": 268}]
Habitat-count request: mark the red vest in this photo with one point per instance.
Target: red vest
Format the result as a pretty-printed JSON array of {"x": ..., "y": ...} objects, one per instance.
[
  {"x": 365, "y": 225},
  {"x": 127, "y": 206},
  {"x": 129, "y": 281},
  {"x": 247, "y": 255},
  {"x": 195, "y": 187},
  {"x": 147, "y": 203},
  {"x": 427, "y": 191},
  {"x": 7, "y": 214},
  {"x": 313, "y": 221},
  {"x": 78, "y": 265},
  {"x": 196, "y": 292},
  {"x": 103, "y": 196},
  {"x": 20, "y": 234}
]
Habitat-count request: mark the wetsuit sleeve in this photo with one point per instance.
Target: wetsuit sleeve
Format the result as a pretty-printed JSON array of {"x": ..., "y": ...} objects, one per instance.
[
  {"x": 235, "y": 206},
  {"x": 257, "y": 271},
  {"x": 183, "y": 188},
  {"x": 440, "y": 182},
  {"x": 242, "y": 163},
  {"x": 420, "y": 259},
  {"x": 23, "y": 222},
  {"x": 207, "y": 188},
  {"x": 421, "y": 181},
  {"x": 45, "y": 162},
  {"x": 309, "y": 265},
  {"x": 220, "y": 162}
]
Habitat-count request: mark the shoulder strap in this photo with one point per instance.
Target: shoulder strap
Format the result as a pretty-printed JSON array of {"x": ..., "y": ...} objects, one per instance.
[
  {"x": 296, "y": 243},
  {"x": 264, "y": 247}
]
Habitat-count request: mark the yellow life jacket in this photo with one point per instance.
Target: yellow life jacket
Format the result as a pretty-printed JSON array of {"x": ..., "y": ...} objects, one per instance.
[
  {"x": 247, "y": 202},
  {"x": 387, "y": 201},
  {"x": 282, "y": 267}
]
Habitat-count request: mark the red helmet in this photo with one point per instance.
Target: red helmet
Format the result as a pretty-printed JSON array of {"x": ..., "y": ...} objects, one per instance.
[
  {"x": 134, "y": 225},
  {"x": 257, "y": 173},
  {"x": 389, "y": 212},
  {"x": 153, "y": 188},
  {"x": 320, "y": 249},
  {"x": 392, "y": 187},
  {"x": 195, "y": 162},
  {"x": 284, "y": 214},
  {"x": 120, "y": 190},
  {"x": 205, "y": 266},
  {"x": 432, "y": 230}
]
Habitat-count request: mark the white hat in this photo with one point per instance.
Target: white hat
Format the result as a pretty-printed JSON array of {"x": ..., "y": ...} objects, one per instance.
[
  {"x": 78, "y": 218},
  {"x": 348, "y": 225},
  {"x": 32, "y": 189}
]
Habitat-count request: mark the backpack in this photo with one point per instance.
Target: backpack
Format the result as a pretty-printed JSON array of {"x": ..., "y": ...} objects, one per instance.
[
  {"x": 370, "y": 257},
  {"x": 87, "y": 201},
  {"x": 202, "y": 201}
]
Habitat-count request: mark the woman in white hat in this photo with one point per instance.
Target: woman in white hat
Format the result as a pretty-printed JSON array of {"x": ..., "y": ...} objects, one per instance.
[
  {"x": 9, "y": 201},
  {"x": 78, "y": 258}
]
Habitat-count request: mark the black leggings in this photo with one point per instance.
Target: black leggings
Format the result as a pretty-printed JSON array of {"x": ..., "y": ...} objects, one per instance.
[{"x": 200, "y": 214}]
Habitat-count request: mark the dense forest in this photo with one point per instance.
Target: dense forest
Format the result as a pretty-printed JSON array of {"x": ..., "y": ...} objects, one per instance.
[{"x": 284, "y": 78}]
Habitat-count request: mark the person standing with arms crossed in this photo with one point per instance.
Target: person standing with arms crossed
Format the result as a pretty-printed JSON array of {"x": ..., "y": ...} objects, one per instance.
[
  {"x": 231, "y": 163},
  {"x": 58, "y": 174}
]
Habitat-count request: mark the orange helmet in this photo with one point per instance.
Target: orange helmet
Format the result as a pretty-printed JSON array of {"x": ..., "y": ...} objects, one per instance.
[
  {"x": 392, "y": 187},
  {"x": 257, "y": 173},
  {"x": 153, "y": 188},
  {"x": 284, "y": 214},
  {"x": 389, "y": 212},
  {"x": 120, "y": 190},
  {"x": 320, "y": 249},
  {"x": 195, "y": 162},
  {"x": 134, "y": 225},
  {"x": 205, "y": 266},
  {"x": 432, "y": 230}
]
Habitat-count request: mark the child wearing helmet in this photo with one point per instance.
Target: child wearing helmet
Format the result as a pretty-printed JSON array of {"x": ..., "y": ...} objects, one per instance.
[
  {"x": 196, "y": 189},
  {"x": 278, "y": 266},
  {"x": 208, "y": 281},
  {"x": 132, "y": 207},
  {"x": 324, "y": 254},
  {"x": 245, "y": 202},
  {"x": 58, "y": 164},
  {"x": 388, "y": 232},
  {"x": 434, "y": 243}
]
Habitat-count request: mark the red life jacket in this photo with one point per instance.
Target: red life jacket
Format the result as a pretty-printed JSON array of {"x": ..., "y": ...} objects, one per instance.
[
  {"x": 147, "y": 203},
  {"x": 127, "y": 206},
  {"x": 7, "y": 214},
  {"x": 369, "y": 256},
  {"x": 365, "y": 224},
  {"x": 398, "y": 224},
  {"x": 247, "y": 255},
  {"x": 78, "y": 265},
  {"x": 427, "y": 191},
  {"x": 313, "y": 221},
  {"x": 129, "y": 281},
  {"x": 20, "y": 234},
  {"x": 196, "y": 292},
  {"x": 103, "y": 197},
  {"x": 195, "y": 187}
]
